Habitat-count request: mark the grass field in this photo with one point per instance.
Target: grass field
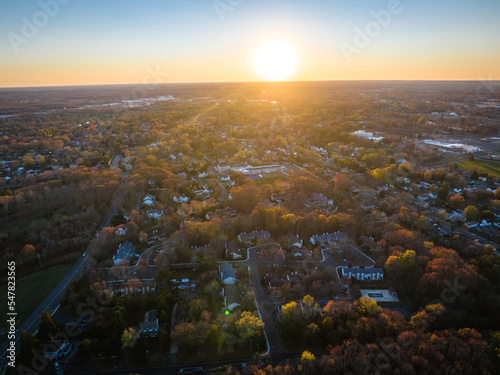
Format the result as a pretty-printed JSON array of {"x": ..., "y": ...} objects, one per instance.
[
  {"x": 490, "y": 167},
  {"x": 31, "y": 291},
  {"x": 270, "y": 178}
]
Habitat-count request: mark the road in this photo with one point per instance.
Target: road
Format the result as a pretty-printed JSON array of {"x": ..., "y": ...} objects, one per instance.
[
  {"x": 51, "y": 303},
  {"x": 265, "y": 305},
  {"x": 115, "y": 161},
  {"x": 209, "y": 367}
]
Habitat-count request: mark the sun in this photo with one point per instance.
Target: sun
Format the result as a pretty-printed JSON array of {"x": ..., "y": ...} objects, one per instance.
[{"x": 275, "y": 60}]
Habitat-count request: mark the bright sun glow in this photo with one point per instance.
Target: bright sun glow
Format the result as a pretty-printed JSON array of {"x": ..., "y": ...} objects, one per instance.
[{"x": 275, "y": 61}]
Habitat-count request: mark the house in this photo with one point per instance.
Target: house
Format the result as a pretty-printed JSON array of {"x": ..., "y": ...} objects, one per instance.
[
  {"x": 181, "y": 199},
  {"x": 483, "y": 224},
  {"x": 370, "y": 243},
  {"x": 54, "y": 349},
  {"x": 227, "y": 274},
  {"x": 330, "y": 239},
  {"x": 249, "y": 237},
  {"x": 299, "y": 252},
  {"x": 295, "y": 278},
  {"x": 321, "y": 200},
  {"x": 155, "y": 214},
  {"x": 233, "y": 251},
  {"x": 273, "y": 281},
  {"x": 124, "y": 253},
  {"x": 84, "y": 320},
  {"x": 182, "y": 284},
  {"x": 457, "y": 215},
  {"x": 203, "y": 193},
  {"x": 363, "y": 274},
  {"x": 294, "y": 240},
  {"x": 231, "y": 297},
  {"x": 381, "y": 295},
  {"x": 148, "y": 200},
  {"x": 149, "y": 327},
  {"x": 121, "y": 231},
  {"x": 446, "y": 231}
]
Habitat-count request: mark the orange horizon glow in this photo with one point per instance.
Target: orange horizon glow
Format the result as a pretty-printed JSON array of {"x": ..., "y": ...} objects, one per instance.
[{"x": 182, "y": 44}]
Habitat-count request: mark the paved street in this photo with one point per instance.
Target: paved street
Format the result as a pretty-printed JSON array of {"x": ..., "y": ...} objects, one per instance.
[{"x": 266, "y": 306}]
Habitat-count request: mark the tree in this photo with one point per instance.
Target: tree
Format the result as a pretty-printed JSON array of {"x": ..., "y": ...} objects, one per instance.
[
  {"x": 28, "y": 343},
  {"x": 245, "y": 198},
  {"x": 185, "y": 334},
  {"x": 129, "y": 338},
  {"x": 443, "y": 191},
  {"x": 47, "y": 327},
  {"x": 365, "y": 306},
  {"x": 294, "y": 321},
  {"x": 162, "y": 279},
  {"x": 312, "y": 335},
  {"x": 471, "y": 213},
  {"x": 248, "y": 326},
  {"x": 307, "y": 357},
  {"x": 401, "y": 237},
  {"x": 29, "y": 253},
  {"x": 456, "y": 200},
  {"x": 408, "y": 262},
  {"x": 85, "y": 349}
]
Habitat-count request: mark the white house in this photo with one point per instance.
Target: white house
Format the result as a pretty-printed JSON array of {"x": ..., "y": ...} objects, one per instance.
[
  {"x": 148, "y": 200},
  {"x": 155, "y": 214},
  {"x": 182, "y": 199},
  {"x": 227, "y": 274},
  {"x": 363, "y": 274},
  {"x": 121, "y": 231}
]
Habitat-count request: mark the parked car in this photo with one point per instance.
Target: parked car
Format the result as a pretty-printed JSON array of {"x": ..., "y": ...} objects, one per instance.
[{"x": 67, "y": 348}]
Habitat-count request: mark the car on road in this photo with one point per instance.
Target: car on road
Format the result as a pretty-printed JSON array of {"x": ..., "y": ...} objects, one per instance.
[
  {"x": 84, "y": 254},
  {"x": 192, "y": 370}
]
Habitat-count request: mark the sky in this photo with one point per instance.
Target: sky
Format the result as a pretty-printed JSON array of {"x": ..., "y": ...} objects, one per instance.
[{"x": 84, "y": 42}]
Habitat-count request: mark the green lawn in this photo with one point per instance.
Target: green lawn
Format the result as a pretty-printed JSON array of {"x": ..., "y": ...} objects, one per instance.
[
  {"x": 31, "y": 291},
  {"x": 490, "y": 167},
  {"x": 270, "y": 178}
]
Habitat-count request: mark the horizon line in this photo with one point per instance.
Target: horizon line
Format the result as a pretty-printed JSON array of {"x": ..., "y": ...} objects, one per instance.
[{"x": 239, "y": 82}]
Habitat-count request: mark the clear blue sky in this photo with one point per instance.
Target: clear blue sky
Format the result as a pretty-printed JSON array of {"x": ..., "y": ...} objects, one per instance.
[{"x": 115, "y": 41}]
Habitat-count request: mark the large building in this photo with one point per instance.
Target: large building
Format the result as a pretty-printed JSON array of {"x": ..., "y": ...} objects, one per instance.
[
  {"x": 364, "y": 274},
  {"x": 329, "y": 238},
  {"x": 249, "y": 237}
]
